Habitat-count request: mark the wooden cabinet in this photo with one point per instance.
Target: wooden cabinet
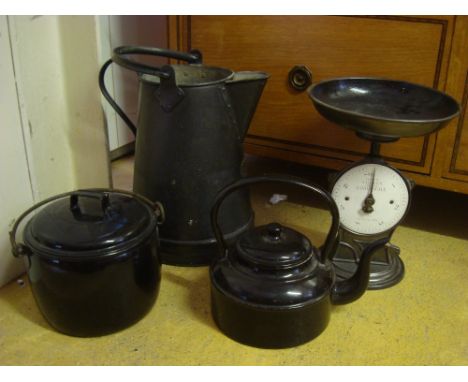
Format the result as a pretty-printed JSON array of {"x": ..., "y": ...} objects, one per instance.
[
  {"x": 451, "y": 157},
  {"x": 286, "y": 125}
]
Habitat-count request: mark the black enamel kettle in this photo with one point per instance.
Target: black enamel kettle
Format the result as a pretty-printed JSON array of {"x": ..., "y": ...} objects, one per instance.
[{"x": 273, "y": 288}]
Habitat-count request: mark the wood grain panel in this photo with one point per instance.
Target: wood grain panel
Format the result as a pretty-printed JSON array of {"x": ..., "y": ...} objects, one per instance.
[
  {"x": 459, "y": 161},
  {"x": 393, "y": 47},
  {"x": 451, "y": 159}
]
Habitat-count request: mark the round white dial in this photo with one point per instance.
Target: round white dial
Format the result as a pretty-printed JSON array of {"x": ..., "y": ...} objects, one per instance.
[{"x": 371, "y": 198}]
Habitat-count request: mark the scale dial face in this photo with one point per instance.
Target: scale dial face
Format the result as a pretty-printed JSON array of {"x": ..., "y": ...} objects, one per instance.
[{"x": 371, "y": 198}]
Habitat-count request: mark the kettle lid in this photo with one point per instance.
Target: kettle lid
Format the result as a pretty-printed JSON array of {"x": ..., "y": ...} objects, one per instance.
[{"x": 274, "y": 246}]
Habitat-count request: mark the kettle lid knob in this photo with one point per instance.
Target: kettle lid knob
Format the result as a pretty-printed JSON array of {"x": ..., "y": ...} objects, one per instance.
[{"x": 274, "y": 231}]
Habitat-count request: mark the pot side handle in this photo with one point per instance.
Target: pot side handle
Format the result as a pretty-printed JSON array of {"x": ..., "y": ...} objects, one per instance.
[{"x": 20, "y": 249}]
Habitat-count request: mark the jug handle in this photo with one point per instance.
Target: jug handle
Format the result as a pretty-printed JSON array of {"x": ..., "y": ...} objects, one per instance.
[
  {"x": 165, "y": 72},
  {"x": 111, "y": 101},
  {"x": 193, "y": 57},
  {"x": 331, "y": 241}
]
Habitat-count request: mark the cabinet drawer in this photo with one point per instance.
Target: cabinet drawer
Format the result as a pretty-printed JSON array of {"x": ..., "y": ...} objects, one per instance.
[{"x": 286, "y": 124}]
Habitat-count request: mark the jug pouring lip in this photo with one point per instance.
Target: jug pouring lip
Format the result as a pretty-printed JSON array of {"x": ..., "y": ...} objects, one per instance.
[{"x": 194, "y": 75}]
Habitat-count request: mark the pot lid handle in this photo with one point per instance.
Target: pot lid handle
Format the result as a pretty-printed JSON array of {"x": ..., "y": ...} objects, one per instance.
[
  {"x": 75, "y": 206},
  {"x": 331, "y": 241}
]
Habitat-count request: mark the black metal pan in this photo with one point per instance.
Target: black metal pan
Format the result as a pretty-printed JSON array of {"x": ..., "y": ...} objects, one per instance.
[{"x": 382, "y": 107}]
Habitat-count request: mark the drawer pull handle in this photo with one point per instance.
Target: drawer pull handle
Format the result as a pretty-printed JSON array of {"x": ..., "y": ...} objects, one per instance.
[{"x": 300, "y": 77}]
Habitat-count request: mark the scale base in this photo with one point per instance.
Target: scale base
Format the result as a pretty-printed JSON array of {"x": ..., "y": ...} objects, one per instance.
[{"x": 385, "y": 271}]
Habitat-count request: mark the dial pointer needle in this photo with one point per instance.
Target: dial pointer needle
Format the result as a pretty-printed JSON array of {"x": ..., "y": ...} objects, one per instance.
[{"x": 369, "y": 201}]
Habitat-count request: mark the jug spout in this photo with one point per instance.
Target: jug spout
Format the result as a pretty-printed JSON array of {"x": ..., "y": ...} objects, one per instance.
[
  {"x": 351, "y": 289},
  {"x": 245, "y": 89}
]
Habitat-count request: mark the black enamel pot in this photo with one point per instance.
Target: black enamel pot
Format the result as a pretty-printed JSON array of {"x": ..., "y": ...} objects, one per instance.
[{"x": 92, "y": 259}]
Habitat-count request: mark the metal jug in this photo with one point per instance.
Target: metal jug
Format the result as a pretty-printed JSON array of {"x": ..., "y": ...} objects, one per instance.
[
  {"x": 273, "y": 288},
  {"x": 191, "y": 125}
]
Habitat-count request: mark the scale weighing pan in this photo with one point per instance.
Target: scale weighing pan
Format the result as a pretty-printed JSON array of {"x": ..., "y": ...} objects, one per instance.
[{"x": 382, "y": 108}]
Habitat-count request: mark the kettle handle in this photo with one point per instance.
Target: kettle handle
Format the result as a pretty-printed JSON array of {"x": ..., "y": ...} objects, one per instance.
[
  {"x": 331, "y": 241},
  {"x": 165, "y": 72}
]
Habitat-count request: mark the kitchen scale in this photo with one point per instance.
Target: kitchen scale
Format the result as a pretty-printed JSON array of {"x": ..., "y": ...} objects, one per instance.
[{"x": 372, "y": 196}]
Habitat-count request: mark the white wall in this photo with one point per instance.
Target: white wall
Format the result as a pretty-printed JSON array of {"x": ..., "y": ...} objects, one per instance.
[
  {"x": 87, "y": 135},
  {"x": 40, "y": 82},
  {"x": 15, "y": 187},
  {"x": 56, "y": 70},
  {"x": 53, "y": 131}
]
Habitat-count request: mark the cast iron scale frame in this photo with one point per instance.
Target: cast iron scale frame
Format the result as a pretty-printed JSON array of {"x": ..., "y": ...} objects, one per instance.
[
  {"x": 380, "y": 111},
  {"x": 387, "y": 268}
]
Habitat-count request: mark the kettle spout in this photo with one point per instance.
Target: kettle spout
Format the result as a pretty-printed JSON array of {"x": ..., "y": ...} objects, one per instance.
[
  {"x": 245, "y": 89},
  {"x": 351, "y": 289}
]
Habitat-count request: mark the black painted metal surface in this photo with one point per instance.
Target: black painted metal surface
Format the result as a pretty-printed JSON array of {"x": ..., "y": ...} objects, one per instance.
[
  {"x": 92, "y": 260},
  {"x": 383, "y": 108},
  {"x": 273, "y": 288},
  {"x": 191, "y": 125}
]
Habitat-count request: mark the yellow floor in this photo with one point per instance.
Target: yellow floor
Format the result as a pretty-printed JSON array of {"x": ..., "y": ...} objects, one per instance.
[{"x": 421, "y": 321}]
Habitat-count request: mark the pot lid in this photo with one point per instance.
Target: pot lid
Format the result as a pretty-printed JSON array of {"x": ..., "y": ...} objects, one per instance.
[
  {"x": 274, "y": 246},
  {"x": 90, "y": 221}
]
